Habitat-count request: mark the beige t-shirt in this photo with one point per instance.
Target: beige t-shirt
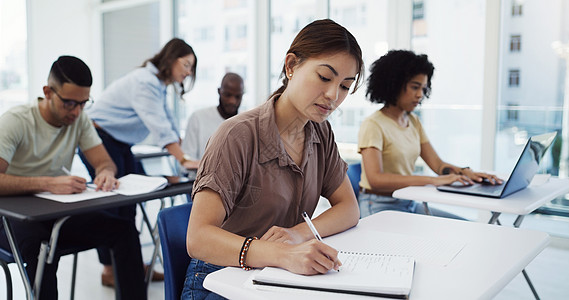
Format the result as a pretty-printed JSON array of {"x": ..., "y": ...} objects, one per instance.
[
  {"x": 400, "y": 147},
  {"x": 33, "y": 147},
  {"x": 260, "y": 185}
]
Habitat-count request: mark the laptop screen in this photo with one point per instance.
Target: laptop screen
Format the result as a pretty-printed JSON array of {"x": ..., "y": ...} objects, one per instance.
[{"x": 528, "y": 163}]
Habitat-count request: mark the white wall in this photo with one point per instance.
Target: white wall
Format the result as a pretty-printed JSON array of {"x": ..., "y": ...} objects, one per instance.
[{"x": 60, "y": 27}]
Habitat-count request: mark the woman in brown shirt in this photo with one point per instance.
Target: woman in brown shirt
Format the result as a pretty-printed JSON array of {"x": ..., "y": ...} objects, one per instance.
[{"x": 263, "y": 168}]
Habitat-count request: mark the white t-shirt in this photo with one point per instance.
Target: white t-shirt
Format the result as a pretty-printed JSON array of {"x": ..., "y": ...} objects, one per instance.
[
  {"x": 201, "y": 125},
  {"x": 33, "y": 147}
]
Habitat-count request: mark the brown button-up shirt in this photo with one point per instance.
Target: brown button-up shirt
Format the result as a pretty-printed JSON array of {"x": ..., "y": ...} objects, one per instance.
[{"x": 260, "y": 185}]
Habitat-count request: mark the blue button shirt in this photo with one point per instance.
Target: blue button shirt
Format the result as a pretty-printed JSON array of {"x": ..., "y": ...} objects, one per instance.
[{"x": 134, "y": 106}]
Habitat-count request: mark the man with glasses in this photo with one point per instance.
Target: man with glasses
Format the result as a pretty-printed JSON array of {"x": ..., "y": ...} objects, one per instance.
[
  {"x": 37, "y": 145},
  {"x": 204, "y": 122}
]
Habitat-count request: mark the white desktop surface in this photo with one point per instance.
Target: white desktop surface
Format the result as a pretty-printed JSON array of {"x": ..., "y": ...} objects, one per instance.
[
  {"x": 492, "y": 257},
  {"x": 520, "y": 203}
]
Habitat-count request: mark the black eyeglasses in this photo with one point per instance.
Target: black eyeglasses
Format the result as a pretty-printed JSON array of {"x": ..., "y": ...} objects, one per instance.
[{"x": 70, "y": 104}]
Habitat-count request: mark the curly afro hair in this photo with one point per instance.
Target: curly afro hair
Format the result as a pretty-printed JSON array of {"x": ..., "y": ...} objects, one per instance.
[{"x": 391, "y": 72}]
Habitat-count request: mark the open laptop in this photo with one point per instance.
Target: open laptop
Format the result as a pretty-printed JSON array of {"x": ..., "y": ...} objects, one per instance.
[{"x": 521, "y": 175}]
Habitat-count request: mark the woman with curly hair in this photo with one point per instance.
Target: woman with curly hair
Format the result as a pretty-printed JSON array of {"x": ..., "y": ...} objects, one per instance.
[{"x": 392, "y": 138}]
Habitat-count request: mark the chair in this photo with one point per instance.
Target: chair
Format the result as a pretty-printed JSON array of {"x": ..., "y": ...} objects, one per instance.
[
  {"x": 354, "y": 173},
  {"x": 172, "y": 227},
  {"x": 6, "y": 258}
]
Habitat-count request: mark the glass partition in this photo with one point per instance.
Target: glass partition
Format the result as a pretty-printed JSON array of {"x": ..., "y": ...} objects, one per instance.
[
  {"x": 13, "y": 55},
  {"x": 367, "y": 20},
  {"x": 221, "y": 32},
  {"x": 533, "y": 84},
  {"x": 451, "y": 33},
  {"x": 287, "y": 18}
]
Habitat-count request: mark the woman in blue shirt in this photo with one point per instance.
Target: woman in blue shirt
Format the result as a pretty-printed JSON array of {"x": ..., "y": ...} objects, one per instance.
[{"x": 134, "y": 106}]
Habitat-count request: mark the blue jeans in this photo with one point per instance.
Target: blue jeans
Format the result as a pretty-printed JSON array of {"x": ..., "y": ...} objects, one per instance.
[
  {"x": 371, "y": 204},
  {"x": 195, "y": 275}
]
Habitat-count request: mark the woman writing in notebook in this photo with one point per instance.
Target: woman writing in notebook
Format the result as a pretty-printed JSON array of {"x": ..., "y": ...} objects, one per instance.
[
  {"x": 263, "y": 168},
  {"x": 392, "y": 138}
]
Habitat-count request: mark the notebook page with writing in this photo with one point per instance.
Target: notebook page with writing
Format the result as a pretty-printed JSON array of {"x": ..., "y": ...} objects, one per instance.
[
  {"x": 438, "y": 252},
  {"x": 361, "y": 273}
]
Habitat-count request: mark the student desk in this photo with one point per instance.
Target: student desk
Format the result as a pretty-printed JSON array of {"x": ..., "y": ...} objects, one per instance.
[
  {"x": 147, "y": 152},
  {"x": 32, "y": 209},
  {"x": 520, "y": 203},
  {"x": 492, "y": 257}
]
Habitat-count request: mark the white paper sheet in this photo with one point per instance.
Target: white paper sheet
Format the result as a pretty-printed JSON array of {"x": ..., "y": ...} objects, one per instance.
[
  {"x": 89, "y": 193},
  {"x": 438, "y": 252},
  {"x": 131, "y": 184}
]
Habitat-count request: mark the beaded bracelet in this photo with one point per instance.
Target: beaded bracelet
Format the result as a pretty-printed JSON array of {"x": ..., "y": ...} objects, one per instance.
[{"x": 243, "y": 252}]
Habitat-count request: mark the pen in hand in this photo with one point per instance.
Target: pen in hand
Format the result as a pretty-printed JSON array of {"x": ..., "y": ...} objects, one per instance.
[
  {"x": 311, "y": 226},
  {"x": 89, "y": 185},
  {"x": 313, "y": 229},
  {"x": 64, "y": 169}
]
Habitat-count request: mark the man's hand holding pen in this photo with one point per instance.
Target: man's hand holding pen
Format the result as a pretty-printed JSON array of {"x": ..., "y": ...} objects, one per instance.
[{"x": 105, "y": 181}]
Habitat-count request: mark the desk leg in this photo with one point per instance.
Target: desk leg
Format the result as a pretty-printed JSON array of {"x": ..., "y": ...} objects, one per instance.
[
  {"x": 18, "y": 258},
  {"x": 47, "y": 252},
  {"x": 155, "y": 239},
  {"x": 530, "y": 284},
  {"x": 155, "y": 254},
  {"x": 517, "y": 223},
  {"x": 427, "y": 210},
  {"x": 494, "y": 218}
]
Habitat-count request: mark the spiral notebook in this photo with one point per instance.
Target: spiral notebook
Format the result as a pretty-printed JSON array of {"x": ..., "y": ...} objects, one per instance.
[{"x": 369, "y": 274}]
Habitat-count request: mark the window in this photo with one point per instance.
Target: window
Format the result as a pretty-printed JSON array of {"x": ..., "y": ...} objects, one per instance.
[
  {"x": 514, "y": 78},
  {"x": 458, "y": 144},
  {"x": 221, "y": 33},
  {"x": 371, "y": 32},
  {"x": 204, "y": 34},
  {"x": 515, "y": 43},
  {"x": 229, "y": 4},
  {"x": 276, "y": 25},
  {"x": 352, "y": 14},
  {"x": 517, "y": 8},
  {"x": 512, "y": 112},
  {"x": 419, "y": 22},
  {"x": 13, "y": 54},
  {"x": 539, "y": 100},
  {"x": 235, "y": 37},
  {"x": 418, "y": 10},
  {"x": 289, "y": 16}
]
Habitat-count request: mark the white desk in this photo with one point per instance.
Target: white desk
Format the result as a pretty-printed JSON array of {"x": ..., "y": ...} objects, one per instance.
[
  {"x": 492, "y": 257},
  {"x": 147, "y": 152},
  {"x": 519, "y": 203}
]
